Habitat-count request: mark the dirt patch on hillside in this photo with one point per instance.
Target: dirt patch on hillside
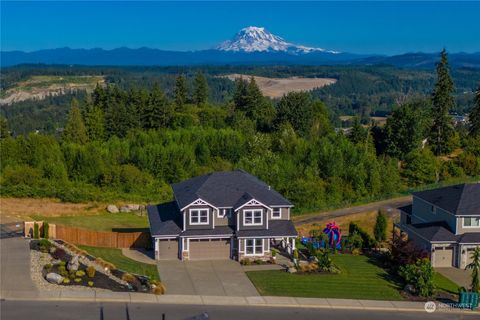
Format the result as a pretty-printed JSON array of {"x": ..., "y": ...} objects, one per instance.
[
  {"x": 20, "y": 209},
  {"x": 365, "y": 220},
  {"x": 277, "y": 87},
  {"x": 41, "y": 87}
]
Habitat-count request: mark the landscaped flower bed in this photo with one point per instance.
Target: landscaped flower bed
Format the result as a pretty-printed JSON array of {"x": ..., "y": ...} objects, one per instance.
[{"x": 71, "y": 266}]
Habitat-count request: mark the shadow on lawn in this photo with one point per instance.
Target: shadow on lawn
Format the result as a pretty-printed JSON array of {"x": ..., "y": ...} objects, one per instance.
[{"x": 388, "y": 275}]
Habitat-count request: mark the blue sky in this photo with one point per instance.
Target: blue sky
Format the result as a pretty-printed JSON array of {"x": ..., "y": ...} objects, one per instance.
[{"x": 358, "y": 27}]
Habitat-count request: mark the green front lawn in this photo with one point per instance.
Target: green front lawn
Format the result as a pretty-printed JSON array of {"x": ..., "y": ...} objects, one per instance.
[
  {"x": 444, "y": 284},
  {"x": 116, "y": 257},
  {"x": 360, "y": 279},
  {"x": 100, "y": 222}
]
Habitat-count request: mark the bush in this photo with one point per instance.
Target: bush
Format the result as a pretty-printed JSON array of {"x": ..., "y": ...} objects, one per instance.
[
  {"x": 91, "y": 271},
  {"x": 44, "y": 245},
  {"x": 36, "y": 232},
  {"x": 80, "y": 273},
  {"x": 354, "y": 241},
  {"x": 127, "y": 277},
  {"x": 48, "y": 266},
  {"x": 158, "y": 287},
  {"x": 325, "y": 263},
  {"x": 45, "y": 230},
  {"x": 66, "y": 281},
  {"x": 405, "y": 252},
  {"x": 420, "y": 276},
  {"x": 78, "y": 280},
  {"x": 90, "y": 283},
  {"x": 274, "y": 252},
  {"x": 62, "y": 263},
  {"x": 59, "y": 254},
  {"x": 367, "y": 241},
  {"x": 380, "y": 229}
]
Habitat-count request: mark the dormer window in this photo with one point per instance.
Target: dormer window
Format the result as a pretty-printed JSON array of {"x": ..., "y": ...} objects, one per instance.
[
  {"x": 471, "y": 222},
  {"x": 225, "y": 212},
  {"x": 276, "y": 214}
]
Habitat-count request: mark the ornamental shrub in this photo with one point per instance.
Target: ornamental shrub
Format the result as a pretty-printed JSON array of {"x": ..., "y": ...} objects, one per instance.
[
  {"x": 36, "y": 232},
  {"x": 91, "y": 271},
  {"x": 420, "y": 276}
]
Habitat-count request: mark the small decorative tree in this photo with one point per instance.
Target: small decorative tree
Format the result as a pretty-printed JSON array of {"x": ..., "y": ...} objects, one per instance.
[
  {"x": 380, "y": 230},
  {"x": 420, "y": 276},
  {"x": 45, "y": 230},
  {"x": 475, "y": 266},
  {"x": 36, "y": 232}
]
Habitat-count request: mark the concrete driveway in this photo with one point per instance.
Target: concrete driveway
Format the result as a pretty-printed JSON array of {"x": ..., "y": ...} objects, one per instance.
[
  {"x": 460, "y": 276},
  {"x": 15, "y": 269},
  {"x": 213, "y": 278}
]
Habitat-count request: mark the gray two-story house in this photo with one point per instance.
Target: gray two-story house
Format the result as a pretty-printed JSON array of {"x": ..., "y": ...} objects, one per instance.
[
  {"x": 221, "y": 215},
  {"x": 445, "y": 222}
]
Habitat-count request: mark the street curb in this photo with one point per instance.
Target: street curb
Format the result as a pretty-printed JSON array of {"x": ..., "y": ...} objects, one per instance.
[{"x": 258, "y": 301}]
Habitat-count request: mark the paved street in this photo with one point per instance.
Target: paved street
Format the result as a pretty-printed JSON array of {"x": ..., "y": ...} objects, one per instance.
[
  {"x": 214, "y": 278},
  {"x": 20, "y": 310},
  {"x": 15, "y": 269}
]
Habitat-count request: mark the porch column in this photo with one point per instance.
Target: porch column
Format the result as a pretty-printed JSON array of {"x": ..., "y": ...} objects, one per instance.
[
  {"x": 157, "y": 254},
  {"x": 289, "y": 247},
  {"x": 293, "y": 244}
]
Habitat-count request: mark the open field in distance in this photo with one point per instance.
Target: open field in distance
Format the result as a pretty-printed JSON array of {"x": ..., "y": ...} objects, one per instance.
[
  {"x": 40, "y": 87},
  {"x": 277, "y": 87}
]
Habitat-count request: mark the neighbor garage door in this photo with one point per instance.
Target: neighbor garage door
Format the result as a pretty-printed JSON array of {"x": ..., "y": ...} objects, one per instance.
[
  {"x": 443, "y": 257},
  {"x": 209, "y": 249},
  {"x": 167, "y": 249}
]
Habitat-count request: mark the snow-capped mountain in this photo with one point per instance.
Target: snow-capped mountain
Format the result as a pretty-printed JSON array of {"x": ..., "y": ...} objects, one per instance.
[{"x": 257, "y": 39}]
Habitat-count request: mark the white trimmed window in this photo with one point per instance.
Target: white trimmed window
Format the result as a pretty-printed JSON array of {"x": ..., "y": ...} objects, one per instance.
[
  {"x": 252, "y": 217},
  {"x": 276, "y": 214},
  {"x": 199, "y": 216},
  {"x": 471, "y": 222},
  {"x": 253, "y": 247},
  {"x": 222, "y": 213}
]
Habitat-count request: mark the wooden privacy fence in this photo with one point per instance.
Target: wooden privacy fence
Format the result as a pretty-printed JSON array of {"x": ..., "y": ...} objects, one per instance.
[{"x": 139, "y": 239}]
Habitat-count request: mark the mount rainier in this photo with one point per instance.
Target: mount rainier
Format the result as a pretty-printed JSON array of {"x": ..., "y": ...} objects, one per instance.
[{"x": 258, "y": 39}]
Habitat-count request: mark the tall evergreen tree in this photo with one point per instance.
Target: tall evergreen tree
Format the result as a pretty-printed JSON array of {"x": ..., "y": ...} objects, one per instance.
[
  {"x": 200, "y": 94},
  {"x": 474, "y": 116},
  {"x": 158, "y": 111},
  {"x": 240, "y": 95},
  {"x": 443, "y": 101},
  {"x": 180, "y": 91},
  {"x": 358, "y": 134},
  {"x": 75, "y": 128},
  {"x": 94, "y": 121},
  {"x": 4, "y": 132}
]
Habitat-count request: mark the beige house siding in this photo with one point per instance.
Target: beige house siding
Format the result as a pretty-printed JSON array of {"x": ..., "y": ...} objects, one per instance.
[{"x": 462, "y": 230}]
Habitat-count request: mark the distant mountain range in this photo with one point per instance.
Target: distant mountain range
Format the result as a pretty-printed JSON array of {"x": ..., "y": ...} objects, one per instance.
[{"x": 252, "y": 45}]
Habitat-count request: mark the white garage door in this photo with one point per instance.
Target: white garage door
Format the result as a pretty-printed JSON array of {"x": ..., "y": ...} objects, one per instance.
[{"x": 443, "y": 257}]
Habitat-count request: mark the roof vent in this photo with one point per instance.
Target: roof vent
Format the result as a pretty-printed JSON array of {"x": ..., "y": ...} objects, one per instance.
[{"x": 269, "y": 188}]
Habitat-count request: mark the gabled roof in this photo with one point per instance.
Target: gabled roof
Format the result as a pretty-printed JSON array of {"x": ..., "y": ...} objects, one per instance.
[
  {"x": 460, "y": 199},
  {"x": 434, "y": 231},
  {"x": 226, "y": 189}
]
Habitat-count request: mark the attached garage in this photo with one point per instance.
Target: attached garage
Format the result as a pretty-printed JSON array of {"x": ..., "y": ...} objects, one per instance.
[
  {"x": 209, "y": 249},
  {"x": 167, "y": 249},
  {"x": 443, "y": 257},
  {"x": 468, "y": 257}
]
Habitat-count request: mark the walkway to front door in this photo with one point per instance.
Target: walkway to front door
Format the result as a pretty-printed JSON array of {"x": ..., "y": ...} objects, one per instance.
[{"x": 212, "y": 278}]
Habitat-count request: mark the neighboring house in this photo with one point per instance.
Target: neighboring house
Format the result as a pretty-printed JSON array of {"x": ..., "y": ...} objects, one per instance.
[
  {"x": 445, "y": 222},
  {"x": 221, "y": 215}
]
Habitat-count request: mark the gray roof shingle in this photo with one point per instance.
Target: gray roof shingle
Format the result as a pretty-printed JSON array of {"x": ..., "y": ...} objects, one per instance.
[
  {"x": 276, "y": 228},
  {"x": 226, "y": 189},
  {"x": 434, "y": 231},
  {"x": 460, "y": 199},
  {"x": 164, "y": 219},
  {"x": 469, "y": 237}
]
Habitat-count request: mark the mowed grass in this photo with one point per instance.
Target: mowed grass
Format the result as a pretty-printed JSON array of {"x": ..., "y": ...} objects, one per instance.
[
  {"x": 116, "y": 257},
  {"x": 99, "y": 222},
  {"x": 360, "y": 279},
  {"x": 444, "y": 284}
]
